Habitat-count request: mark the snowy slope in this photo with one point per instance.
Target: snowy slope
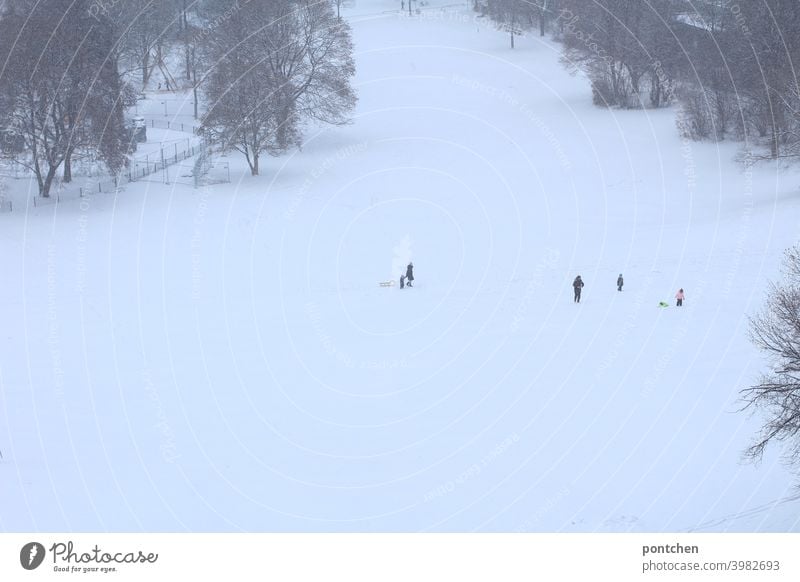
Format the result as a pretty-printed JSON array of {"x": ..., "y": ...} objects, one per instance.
[{"x": 224, "y": 359}]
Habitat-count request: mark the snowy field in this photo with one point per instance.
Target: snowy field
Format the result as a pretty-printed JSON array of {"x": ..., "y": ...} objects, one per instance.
[{"x": 223, "y": 359}]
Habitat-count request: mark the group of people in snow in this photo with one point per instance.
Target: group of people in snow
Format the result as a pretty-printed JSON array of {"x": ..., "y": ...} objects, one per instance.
[
  {"x": 577, "y": 286},
  {"x": 407, "y": 280}
]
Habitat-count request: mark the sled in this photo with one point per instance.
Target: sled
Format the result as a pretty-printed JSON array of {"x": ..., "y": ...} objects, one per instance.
[
  {"x": 386, "y": 283},
  {"x": 663, "y": 304}
]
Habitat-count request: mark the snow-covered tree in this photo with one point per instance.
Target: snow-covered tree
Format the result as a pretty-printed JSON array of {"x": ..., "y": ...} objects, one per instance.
[
  {"x": 273, "y": 66},
  {"x": 60, "y": 90}
]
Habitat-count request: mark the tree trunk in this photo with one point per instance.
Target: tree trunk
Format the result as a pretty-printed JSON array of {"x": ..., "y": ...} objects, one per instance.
[
  {"x": 635, "y": 78},
  {"x": 252, "y": 160},
  {"x": 722, "y": 115},
  {"x": 655, "y": 89},
  {"x": 541, "y": 22},
  {"x": 39, "y": 180},
  {"x": 615, "y": 90},
  {"x": 512, "y": 39},
  {"x": 145, "y": 69},
  {"x": 68, "y": 167},
  {"x": 776, "y": 123},
  {"x": 44, "y": 187},
  {"x": 774, "y": 146}
]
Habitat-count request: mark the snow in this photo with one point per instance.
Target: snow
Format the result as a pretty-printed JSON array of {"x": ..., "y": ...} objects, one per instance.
[{"x": 224, "y": 359}]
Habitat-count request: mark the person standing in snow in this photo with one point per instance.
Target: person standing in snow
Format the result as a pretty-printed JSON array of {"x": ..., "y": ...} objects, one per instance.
[
  {"x": 577, "y": 285},
  {"x": 620, "y": 281},
  {"x": 680, "y": 297},
  {"x": 410, "y": 274},
  {"x": 402, "y": 281}
]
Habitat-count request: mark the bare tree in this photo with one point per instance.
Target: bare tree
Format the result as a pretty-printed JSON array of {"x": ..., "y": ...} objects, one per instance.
[
  {"x": 627, "y": 48},
  {"x": 144, "y": 28},
  {"x": 544, "y": 10},
  {"x": 776, "y": 331},
  {"x": 771, "y": 31},
  {"x": 743, "y": 75},
  {"x": 275, "y": 66},
  {"x": 339, "y": 4},
  {"x": 513, "y": 16},
  {"x": 59, "y": 89}
]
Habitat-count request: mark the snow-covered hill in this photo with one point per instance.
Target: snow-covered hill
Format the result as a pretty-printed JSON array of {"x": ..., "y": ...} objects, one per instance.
[{"x": 224, "y": 359}]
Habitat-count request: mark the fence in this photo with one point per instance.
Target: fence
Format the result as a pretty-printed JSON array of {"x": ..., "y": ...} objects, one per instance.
[
  {"x": 152, "y": 163},
  {"x": 173, "y": 125},
  {"x": 204, "y": 172}
]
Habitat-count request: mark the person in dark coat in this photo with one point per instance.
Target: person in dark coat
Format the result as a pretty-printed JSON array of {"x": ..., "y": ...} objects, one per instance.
[
  {"x": 410, "y": 275},
  {"x": 577, "y": 285},
  {"x": 620, "y": 281}
]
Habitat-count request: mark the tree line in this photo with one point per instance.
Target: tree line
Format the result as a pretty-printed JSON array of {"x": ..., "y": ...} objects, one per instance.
[
  {"x": 69, "y": 70},
  {"x": 730, "y": 66}
]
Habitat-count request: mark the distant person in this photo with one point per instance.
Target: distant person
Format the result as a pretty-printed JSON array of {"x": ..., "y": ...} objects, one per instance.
[
  {"x": 402, "y": 281},
  {"x": 620, "y": 282},
  {"x": 410, "y": 274},
  {"x": 577, "y": 285},
  {"x": 680, "y": 297}
]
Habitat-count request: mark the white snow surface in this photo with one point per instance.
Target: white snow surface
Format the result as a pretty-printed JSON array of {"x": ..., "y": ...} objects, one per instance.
[{"x": 224, "y": 359}]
